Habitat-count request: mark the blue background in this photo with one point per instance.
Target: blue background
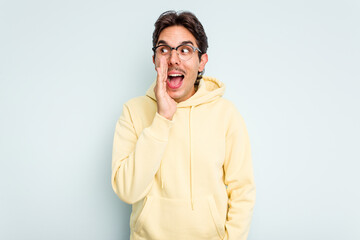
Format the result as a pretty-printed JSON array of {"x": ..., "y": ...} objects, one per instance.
[{"x": 66, "y": 68}]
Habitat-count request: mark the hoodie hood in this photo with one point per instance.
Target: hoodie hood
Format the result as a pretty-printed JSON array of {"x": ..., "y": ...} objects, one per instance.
[{"x": 209, "y": 89}]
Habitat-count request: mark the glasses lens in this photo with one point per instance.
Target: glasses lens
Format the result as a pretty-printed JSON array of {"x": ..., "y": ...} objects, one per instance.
[
  {"x": 163, "y": 51},
  {"x": 185, "y": 52}
]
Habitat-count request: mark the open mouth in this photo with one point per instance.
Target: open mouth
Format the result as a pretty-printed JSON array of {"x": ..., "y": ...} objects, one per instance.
[{"x": 174, "y": 81}]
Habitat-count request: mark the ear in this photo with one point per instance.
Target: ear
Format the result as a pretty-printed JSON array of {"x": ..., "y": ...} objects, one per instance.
[{"x": 203, "y": 61}]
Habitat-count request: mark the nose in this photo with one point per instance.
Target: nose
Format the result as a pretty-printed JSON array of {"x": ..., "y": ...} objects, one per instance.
[{"x": 174, "y": 57}]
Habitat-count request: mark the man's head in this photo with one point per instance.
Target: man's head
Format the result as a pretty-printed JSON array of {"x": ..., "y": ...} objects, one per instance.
[{"x": 174, "y": 29}]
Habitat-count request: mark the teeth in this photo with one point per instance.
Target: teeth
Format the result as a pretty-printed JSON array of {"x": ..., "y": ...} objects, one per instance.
[{"x": 175, "y": 75}]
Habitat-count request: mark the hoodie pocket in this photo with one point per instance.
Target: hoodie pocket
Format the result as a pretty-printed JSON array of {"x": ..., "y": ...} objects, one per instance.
[
  {"x": 143, "y": 213},
  {"x": 220, "y": 225},
  {"x": 163, "y": 218}
]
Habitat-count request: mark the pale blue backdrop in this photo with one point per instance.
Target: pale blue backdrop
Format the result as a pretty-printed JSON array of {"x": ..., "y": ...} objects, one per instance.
[{"x": 66, "y": 68}]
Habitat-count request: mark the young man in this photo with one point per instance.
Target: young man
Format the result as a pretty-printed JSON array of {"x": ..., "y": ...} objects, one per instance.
[{"x": 181, "y": 154}]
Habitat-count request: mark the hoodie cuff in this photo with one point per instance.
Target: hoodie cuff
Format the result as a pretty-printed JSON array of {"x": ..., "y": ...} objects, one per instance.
[{"x": 160, "y": 127}]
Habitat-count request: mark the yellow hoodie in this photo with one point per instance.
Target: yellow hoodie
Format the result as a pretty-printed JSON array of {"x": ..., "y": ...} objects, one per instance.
[{"x": 189, "y": 178}]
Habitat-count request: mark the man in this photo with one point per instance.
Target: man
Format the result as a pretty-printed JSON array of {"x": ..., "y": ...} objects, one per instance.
[{"x": 181, "y": 154}]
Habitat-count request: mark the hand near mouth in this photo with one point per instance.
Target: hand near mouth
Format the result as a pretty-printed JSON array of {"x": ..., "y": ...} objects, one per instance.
[{"x": 165, "y": 104}]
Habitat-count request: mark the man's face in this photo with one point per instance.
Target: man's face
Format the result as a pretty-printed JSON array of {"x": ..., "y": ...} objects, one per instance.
[{"x": 180, "y": 88}]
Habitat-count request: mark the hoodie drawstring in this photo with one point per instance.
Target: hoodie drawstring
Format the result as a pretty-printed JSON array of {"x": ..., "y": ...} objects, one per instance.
[
  {"x": 191, "y": 170},
  {"x": 161, "y": 176}
]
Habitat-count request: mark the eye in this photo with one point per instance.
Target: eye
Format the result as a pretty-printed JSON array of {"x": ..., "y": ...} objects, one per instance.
[
  {"x": 185, "y": 50},
  {"x": 163, "y": 50}
]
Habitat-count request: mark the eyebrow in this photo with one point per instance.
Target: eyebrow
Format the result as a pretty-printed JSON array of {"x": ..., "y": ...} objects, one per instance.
[{"x": 183, "y": 42}]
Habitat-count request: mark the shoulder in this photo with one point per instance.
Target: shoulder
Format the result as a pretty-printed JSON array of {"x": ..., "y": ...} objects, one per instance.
[
  {"x": 139, "y": 102},
  {"x": 231, "y": 113},
  {"x": 141, "y": 110},
  {"x": 228, "y": 104},
  {"x": 229, "y": 107}
]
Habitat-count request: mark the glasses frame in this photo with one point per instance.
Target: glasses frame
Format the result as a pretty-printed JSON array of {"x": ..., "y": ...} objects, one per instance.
[{"x": 176, "y": 48}]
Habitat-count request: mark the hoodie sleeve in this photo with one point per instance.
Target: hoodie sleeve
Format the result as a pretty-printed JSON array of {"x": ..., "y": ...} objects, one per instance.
[
  {"x": 135, "y": 160},
  {"x": 239, "y": 180}
]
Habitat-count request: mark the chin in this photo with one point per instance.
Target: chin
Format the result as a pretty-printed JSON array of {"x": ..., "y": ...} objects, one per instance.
[{"x": 176, "y": 97}]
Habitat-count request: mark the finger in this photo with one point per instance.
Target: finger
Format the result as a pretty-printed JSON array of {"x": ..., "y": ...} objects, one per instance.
[
  {"x": 164, "y": 71},
  {"x": 158, "y": 86},
  {"x": 160, "y": 66},
  {"x": 163, "y": 66}
]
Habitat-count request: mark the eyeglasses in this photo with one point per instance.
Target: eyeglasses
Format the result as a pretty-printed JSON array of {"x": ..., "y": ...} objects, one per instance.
[{"x": 184, "y": 51}]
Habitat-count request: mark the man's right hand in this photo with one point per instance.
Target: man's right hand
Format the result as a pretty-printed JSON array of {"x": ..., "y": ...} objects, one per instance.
[{"x": 165, "y": 104}]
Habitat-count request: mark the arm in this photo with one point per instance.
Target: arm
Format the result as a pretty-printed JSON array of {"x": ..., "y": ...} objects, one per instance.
[
  {"x": 239, "y": 180},
  {"x": 135, "y": 161}
]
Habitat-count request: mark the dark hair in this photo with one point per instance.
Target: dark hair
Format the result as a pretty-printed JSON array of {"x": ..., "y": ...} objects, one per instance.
[{"x": 185, "y": 19}]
